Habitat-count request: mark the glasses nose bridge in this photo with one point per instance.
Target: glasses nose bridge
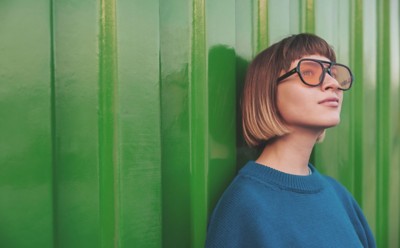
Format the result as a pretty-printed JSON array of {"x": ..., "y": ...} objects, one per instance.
[
  {"x": 328, "y": 83},
  {"x": 326, "y": 65},
  {"x": 327, "y": 70}
]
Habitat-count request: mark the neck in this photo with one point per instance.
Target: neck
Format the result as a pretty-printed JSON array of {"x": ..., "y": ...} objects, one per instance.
[{"x": 290, "y": 153}]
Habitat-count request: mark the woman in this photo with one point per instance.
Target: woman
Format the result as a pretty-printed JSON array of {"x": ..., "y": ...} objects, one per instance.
[{"x": 293, "y": 92}]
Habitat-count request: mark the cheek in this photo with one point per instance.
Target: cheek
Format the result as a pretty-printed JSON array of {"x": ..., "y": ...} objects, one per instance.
[
  {"x": 292, "y": 103},
  {"x": 340, "y": 95}
]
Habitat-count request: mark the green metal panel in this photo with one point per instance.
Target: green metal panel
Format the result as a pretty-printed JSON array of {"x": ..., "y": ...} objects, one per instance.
[
  {"x": 357, "y": 107},
  {"x": 221, "y": 84},
  {"x": 76, "y": 124},
  {"x": 198, "y": 145},
  {"x": 383, "y": 144},
  {"x": 121, "y": 119},
  {"x": 261, "y": 15},
  {"x": 107, "y": 121},
  {"x": 221, "y": 75},
  {"x": 25, "y": 129},
  {"x": 175, "y": 37},
  {"x": 138, "y": 178},
  {"x": 198, "y": 125},
  {"x": 369, "y": 27},
  {"x": 394, "y": 152}
]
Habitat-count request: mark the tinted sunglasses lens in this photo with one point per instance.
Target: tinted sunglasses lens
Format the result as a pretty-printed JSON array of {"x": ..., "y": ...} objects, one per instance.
[
  {"x": 343, "y": 75},
  {"x": 311, "y": 72}
]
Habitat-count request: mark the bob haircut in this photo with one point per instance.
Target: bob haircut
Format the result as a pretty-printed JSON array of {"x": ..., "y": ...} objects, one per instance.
[{"x": 260, "y": 117}]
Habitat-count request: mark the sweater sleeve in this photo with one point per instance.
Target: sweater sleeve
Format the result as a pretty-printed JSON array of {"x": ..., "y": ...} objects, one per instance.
[{"x": 363, "y": 230}]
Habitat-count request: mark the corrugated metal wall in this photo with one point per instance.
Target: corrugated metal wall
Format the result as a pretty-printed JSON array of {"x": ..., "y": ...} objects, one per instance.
[{"x": 119, "y": 118}]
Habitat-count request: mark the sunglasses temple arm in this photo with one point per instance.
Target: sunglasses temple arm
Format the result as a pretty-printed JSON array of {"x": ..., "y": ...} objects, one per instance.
[{"x": 286, "y": 75}]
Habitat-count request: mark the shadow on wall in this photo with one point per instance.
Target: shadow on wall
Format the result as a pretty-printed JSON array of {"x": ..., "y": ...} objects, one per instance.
[{"x": 244, "y": 152}]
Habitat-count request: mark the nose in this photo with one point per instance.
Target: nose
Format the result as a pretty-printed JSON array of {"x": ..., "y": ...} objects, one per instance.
[{"x": 330, "y": 82}]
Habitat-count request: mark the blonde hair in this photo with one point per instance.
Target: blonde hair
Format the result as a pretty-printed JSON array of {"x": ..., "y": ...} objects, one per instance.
[{"x": 261, "y": 120}]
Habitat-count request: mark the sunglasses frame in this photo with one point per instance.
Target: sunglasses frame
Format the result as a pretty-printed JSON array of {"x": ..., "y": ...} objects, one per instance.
[{"x": 324, "y": 71}]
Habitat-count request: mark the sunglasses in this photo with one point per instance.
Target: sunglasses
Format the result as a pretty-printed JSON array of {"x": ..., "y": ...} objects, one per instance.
[{"x": 312, "y": 72}]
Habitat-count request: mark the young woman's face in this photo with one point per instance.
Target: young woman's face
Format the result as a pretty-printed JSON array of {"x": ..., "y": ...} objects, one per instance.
[{"x": 303, "y": 106}]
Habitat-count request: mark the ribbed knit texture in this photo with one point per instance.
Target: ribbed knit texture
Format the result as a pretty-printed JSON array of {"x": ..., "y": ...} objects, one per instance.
[{"x": 264, "y": 207}]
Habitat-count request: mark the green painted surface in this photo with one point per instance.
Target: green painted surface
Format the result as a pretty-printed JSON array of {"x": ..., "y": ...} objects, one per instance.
[
  {"x": 357, "y": 108},
  {"x": 198, "y": 125},
  {"x": 138, "y": 115},
  {"x": 121, "y": 119},
  {"x": 308, "y": 21},
  {"x": 383, "y": 144},
  {"x": 26, "y": 209},
  {"x": 108, "y": 130},
  {"x": 284, "y": 18},
  {"x": 261, "y": 16},
  {"x": 175, "y": 43},
  {"x": 76, "y": 124},
  {"x": 369, "y": 133},
  {"x": 394, "y": 123},
  {"x": 222, "y": 104}
]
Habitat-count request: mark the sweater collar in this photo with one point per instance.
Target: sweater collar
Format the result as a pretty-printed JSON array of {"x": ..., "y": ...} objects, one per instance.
[{"x": 301, "y": 184}]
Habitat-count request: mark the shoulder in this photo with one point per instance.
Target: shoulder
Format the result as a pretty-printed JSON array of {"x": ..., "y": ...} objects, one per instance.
[
  {"x": 343, "y": 194},
  {"x": 248, "y": 187},
  {"x": 354, "y": 212},
  {"x": 338, "y": 187},
  {"x": 243, "y": 193},
  {"x": 237, "y": 212}
]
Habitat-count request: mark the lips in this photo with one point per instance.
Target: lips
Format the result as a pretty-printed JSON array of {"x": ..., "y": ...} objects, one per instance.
[
  {"x": 329, "y": 99},
  {"x": 330, "y": 102}
]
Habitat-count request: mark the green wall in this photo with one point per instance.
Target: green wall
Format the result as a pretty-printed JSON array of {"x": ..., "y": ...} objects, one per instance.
[{"x": 120, "y": 124}]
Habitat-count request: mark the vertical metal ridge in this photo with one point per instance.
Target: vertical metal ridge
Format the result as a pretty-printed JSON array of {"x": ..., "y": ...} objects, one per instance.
[
  {"x": 262, "y": 25},
  {"x": 53, "y": 123},
  {"x": 357, "y": 127},
  {"x": 198, "y": 121},
  {"x": 107, "y": 125},
  {"x": 254, "y": 27},
  {"x": 383, "y": 124},
  {"x": 160, "y": 130},
  {"x": 307, "y": 16}
]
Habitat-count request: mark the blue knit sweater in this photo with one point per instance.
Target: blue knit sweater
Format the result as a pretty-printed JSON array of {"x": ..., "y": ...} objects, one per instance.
[{"x": 264, "y": 207}]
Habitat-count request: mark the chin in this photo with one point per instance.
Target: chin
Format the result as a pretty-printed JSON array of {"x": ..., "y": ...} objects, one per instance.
[
  {"x": 324, "y": 123},
  {"x": 320, "y": 122},
  {"x": 332, "y": 123}
]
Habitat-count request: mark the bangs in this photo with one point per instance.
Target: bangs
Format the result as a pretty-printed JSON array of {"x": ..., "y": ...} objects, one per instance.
[{"x": 298, "y": 46}]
